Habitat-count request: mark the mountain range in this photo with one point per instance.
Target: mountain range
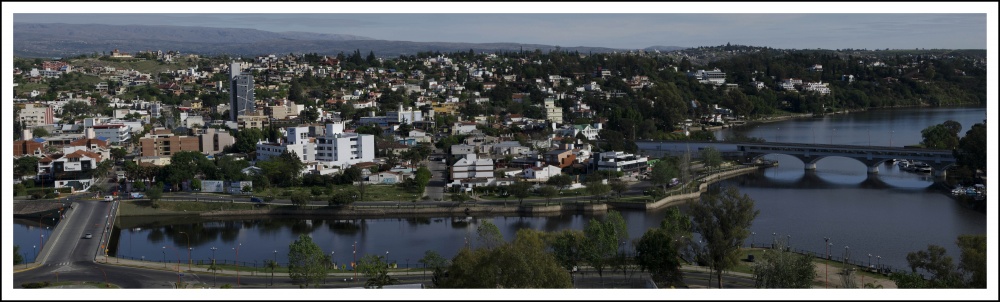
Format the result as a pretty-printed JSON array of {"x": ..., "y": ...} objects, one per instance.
[{"x": 66, "y": 40}]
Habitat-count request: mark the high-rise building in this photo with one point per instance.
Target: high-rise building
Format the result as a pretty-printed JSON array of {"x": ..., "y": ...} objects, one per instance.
[{"x": 240, "y": 92}]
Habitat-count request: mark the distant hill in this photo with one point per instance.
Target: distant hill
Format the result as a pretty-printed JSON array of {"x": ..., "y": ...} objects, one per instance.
[
  {"x": 664, "y": 48},
  {"x": 66, "y": 40}
]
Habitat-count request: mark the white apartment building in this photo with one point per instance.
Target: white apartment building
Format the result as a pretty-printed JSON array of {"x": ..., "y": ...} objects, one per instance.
[
  {"x": 297, "y": 141},
  {"x": 344, "y": 149},
  {"x": 34, "y": 115},
  {"x": 552, "y": 112},
  {"x": 715, "y": 77},
  {"x": 820, "y": 87},
  {"x": 620, "y": 161},
  {"x": 115, "y": 133},
  {"x": 471, "y": 166}
]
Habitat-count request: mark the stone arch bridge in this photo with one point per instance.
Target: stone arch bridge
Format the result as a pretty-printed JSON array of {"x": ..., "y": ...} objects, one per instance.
[{"x": 871, "y": 156}]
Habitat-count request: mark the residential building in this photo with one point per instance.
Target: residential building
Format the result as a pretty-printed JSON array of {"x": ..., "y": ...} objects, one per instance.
[
  {"x": 820, "y": 87},
  {"x": 167, "y": 145},
  {"x": 34, "y": 115},
  {"x": 253, "y": 121},
  {"x": 214, "y": 141},
  {"x": 297, "y": 141},
  {"x": 714, "y": 77},
  {"x": 561, "y": 158},
  {"x": 620, "y": 161},
  {"x": 73, "y": 170},
  {"x": 471, "y": 166},
  {"x": 240, "y": 93},
  {"x": 510, "y": 148},
  {"x": 28, "y": 145},
  {"x": 589, "y": 131},
  {"x": 344, "y": 148},
  {"x": 115, "y": 133},
  {"x": 541, "y": 174},
  {"x": 463, "y": 128},
  {"x": 552, "y": 112}
]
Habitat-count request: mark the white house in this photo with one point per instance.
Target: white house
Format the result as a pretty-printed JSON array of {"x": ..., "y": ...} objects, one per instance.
[{"x": 541, "y": 173}]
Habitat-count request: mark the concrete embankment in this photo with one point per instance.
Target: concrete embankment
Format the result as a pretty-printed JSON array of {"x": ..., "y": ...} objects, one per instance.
[{"x": 681, "y": 198}]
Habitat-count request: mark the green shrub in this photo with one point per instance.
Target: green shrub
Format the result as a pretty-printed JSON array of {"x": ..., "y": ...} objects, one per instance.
[{"x": 35, "y": 284}]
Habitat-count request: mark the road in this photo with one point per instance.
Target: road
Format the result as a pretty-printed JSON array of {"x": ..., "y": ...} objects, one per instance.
[{"x": 439, "y": 177}]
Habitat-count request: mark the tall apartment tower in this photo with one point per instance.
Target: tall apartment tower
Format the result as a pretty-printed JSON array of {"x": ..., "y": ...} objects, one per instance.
[{"x": 240, "y": 92}]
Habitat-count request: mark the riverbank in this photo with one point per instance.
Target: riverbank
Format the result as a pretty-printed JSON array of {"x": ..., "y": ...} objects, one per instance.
[{"x": 530, "y": 207}]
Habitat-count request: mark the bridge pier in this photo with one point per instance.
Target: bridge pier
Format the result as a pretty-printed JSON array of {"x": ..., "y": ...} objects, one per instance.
[
  {"x": 872, "y": 169},
  {"x": 810, "y": 166}
]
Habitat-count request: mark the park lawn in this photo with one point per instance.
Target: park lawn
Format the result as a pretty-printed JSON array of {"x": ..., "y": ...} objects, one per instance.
[
  {"x": 372, "y": 192},
  {"x": 24, "y": 88},
  {"x": 133, "y": 207}
]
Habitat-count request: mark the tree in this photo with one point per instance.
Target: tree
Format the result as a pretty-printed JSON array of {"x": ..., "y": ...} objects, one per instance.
[
  {"x": 711, "y": 157},
  {"x": 26, "y": 165},
  {"x": 18, "y": 258},
  {"x": 433, "y": 260},
  {"x": 657, "y": 253},
  {"x": 723, "y": 220},
  {"x": 39, "y": 132},
  {"x": 269, "y": 263},
  {"x": 154, "y": 193},
  {"x": 597, "y": 189},
  {"x": 306, "y": 261},
  {"x": 600, "y": 245},
  {"x": 971, "y": 151},
  {"x": 118, "y": 154},
  {"x": 619, "y": 187},
  {"x": 664, "y": 171},
  {"x": 523, "y": 263},
  {"x": 310, "y": 115},
  {"x": 973, "y": 259},
  {"x": 376, "y": 270},
  {"x": 520, "y": 189},
  {"x": 560, "y": 181},
  {"x": 345, "y": 197},
  {"x": 489, "y": 235},
  {"x": 548, "y": 192},
  {"x": 567, "y": 247},
  {"x": 300, "y": 199},
  {"x": 423, "y": 177},
  {"x": 941, "y": 136},
  {"x": 779, "y": 268}
]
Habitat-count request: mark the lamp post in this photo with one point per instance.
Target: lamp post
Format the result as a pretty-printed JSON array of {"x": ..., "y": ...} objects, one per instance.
[
  {"x": 387, "y": 259},
  {"x": 753, "y": 238},
  {"x": 355, "y": 246},
  {"x": 35, "y": 247},
  {"x": 214, "y": 268},
  {"x": 826, "y": 264},
  {"x": 774, "y": 239},
  {"x": 188, "y": 237},
  {"x": 879, "y": 265},
  {"x": 333, "y": 260},
  {"x": 237, "y": 249},
  {"x": 178, "y": 254},
  {"x": 273, "y": 265},
  {"x": 788, "y": 243},
  {"x": 869, "y": 261},
  {"x": 164, "y": 256}
]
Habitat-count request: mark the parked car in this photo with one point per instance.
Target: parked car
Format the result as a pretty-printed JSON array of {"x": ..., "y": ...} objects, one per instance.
[{"x": 256, "y": 199}]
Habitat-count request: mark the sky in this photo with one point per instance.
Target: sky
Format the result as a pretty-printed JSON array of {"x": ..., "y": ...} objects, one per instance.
[{"x": 630, "y": 26}]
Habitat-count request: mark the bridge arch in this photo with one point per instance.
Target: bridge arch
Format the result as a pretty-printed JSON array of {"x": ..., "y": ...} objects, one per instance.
[{"x": 872, "y": 157}]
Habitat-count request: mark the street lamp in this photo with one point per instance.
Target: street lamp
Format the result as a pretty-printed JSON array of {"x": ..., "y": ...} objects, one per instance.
[
  {"x": 355, "y": 246},
  {"x": 753, "y": 238},
  {"x": 273, "y": 265},
  {"x": 178, "y": 254},
  {"x": 237, "y": 249},
  {"x": 188, "y": 237},
  {"x": 387, "y": 258},
  {"x": 35, "y": 247},
  {"x": 164, "y": 256},
  {"x": 869, "y": 261},
  {"x": 214, "y": 268},
  {"x": 333, "y": 259},
  {"x": 879, "y": 265},
  {"x": 788, "y": 243},
  {"x": 826, "y": 264},
  {"x": 774, "y": 239}
]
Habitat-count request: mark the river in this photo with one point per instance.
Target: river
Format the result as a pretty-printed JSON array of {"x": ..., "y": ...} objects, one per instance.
[{"x": 887, "y": 215}]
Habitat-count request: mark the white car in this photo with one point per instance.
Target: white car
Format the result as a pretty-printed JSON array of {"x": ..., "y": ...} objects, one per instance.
[{"x": 88, "y": 236}]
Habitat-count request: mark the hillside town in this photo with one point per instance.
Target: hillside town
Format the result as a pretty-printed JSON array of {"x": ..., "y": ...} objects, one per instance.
[{"x": 499, "y": 118}]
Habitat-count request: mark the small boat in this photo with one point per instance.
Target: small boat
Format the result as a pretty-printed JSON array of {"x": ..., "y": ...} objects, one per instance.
[
  {"x": 958, "y": 191},
  {"x": 922, "y": 167}
]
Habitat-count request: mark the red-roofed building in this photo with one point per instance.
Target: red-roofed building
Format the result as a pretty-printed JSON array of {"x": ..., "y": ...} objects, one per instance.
[
  {"x": 74, "y": 170},
  {"x": 28, "y": 147}
]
